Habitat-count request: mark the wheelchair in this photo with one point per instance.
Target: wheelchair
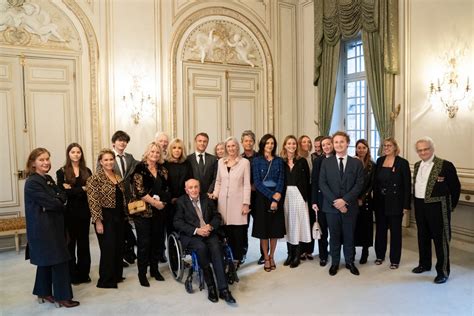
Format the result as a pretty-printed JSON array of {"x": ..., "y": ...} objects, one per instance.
[{"x": 178, "y": 262}]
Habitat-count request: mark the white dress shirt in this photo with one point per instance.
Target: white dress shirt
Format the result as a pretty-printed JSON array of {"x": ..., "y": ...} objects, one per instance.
[
  {"x": 117, "y": 161},
  {"x": 344, "y": 161},
  {"x": 422, "y": 177},
  {"x": 203, "y": 157}
]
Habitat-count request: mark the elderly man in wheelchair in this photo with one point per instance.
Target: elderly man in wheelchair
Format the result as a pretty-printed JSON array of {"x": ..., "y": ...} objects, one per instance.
[{"x": 197, "y": 221}]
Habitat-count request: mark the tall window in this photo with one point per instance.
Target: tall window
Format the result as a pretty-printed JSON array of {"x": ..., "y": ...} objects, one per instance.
[{"x": 359, "y": 119}]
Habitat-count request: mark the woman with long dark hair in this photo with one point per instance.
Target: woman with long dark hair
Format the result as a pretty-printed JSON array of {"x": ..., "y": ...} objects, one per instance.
[
  {"x": 47, "y": 249},
  {"x": 150, "y": 184},
  {"x": 269, "y": 180},
  {"x": 72, "y": 178},
  {"x": 364, "y": 232}
]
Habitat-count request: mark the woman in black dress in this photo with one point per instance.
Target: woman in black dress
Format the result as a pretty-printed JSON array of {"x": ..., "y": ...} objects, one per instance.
[
  {"x": 269, "y": 179},
  {"x": 47, "y": 249},
  {"x": 72, "y": 179},
  {"x": 106, "y": 196},
  {"x": 179, "y": 171},
  {"x": 150, "y": 184},
  {"x": 392, "y": 198},
  {"x": 364, "y": 232}
]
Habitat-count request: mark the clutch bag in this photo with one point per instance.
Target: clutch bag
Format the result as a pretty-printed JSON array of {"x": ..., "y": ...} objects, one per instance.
[{"x": 136, "y": 207}]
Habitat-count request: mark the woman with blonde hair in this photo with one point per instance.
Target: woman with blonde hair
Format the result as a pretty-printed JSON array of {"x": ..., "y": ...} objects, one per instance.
[
  {"x": 232, "y": 191},
  {"x": 150, "y": 184},
  {"x": 392, "y": 198},
  {"x": 179, "y": 171},
  {"x": 297, "y": 192}
]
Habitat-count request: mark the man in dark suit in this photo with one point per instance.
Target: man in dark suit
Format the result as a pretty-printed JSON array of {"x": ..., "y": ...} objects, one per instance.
[
  {"x": 341, "y": 180},
  {"x": 437, "y": 190},
  {"x": 203, "y": 164},
  {"x": 124, "y": 166},
  {"x": 197, "y": 221}
]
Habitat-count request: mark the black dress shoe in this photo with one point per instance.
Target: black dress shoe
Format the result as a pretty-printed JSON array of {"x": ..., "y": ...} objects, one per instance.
[
  {"x": 323, "y": 262},
  {"x": 212, "y": 294},
  {"x": 261, "y": 260},
  {"x": 157, "y": 275},
  {"x": 227, "y": 296},
  {"x": 106, "y": 286},
  {"x": 129, "y": 259},
  {"x": 352, "y": 268},
  {"x": 163, "y": 259},
  {"x": 120, "y": 280},
  {"x": 125, "y": 265},
  {"x": 143, "y": 280},
  {"x": 440, "y": 278},
  {"x": 420, "y": 269},
  {"x": 333, "y": 269}
]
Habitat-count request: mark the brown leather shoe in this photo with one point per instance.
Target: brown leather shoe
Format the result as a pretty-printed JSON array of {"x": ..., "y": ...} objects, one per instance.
[
  {"x": 67, "y": 303},
  {"x": 44, "y": 299}
]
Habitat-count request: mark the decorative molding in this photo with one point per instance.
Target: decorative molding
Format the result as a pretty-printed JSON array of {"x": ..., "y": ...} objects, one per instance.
[
  {"x": 36, "y": 24},
  {"x": 93, "y": 49},
  {"x": 221, "y": 41},
  {"x": 219, "y": 12}
]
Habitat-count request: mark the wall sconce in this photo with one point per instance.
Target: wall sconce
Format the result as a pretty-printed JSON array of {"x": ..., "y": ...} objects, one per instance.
[
  {"x": 137, "y": 103},
  {"x": 448, "y": 92}
]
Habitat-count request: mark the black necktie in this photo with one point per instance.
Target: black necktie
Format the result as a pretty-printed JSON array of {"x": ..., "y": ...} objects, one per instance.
[
  {"x": 341, "y": 167},
  {"x": 201, "y": 164},
  {"x": 122, "y": 164}
]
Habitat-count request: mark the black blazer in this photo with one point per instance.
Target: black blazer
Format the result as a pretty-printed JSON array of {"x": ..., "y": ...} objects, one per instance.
[
  {"x": 44, "y": 210},
  {"x": 207, "y": 179},
  {"x": 392, "y": 196},
  {"x": 299, "y": 177},
  {"x": 348, "y": 188},
  {"x": 316, "y": 194},
  {"x": 131, "y": 164},
  {"x": 77, "y": 205},
  {"x": 186, "y": 220}
]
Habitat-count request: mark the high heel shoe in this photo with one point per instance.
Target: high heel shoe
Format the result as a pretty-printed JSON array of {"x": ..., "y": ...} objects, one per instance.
[
  {"x": 44, "y": 299},
  {"x": 266, "y": 267},
  {"x": 67, "y": 303},
  {"x": 272, "y": 264}
]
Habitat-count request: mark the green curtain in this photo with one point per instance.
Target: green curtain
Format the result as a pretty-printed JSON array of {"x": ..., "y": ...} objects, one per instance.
[{"x": 344, "y": 19}]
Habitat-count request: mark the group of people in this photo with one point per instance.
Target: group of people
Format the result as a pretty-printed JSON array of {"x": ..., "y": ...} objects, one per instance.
[{"x": 203, "y": 196}]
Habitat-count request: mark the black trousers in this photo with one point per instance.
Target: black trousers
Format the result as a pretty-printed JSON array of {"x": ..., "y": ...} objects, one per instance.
[
  {"x": 308, "y": 247},
  {"x": 433, "y": 224},
  {"x": 209, "y": 250},
  {"x": 236, "y": 238},
  {"x": 129, "y": 241},
  {"x": 53, "y": 280},
  {"x": 341, "y": 228},
  {"x": 78, "y": 232},
  {"x": 149, "y": 241},
  {"x": 323, "y": 242},
  {"x": 382, "y": 224},
  {"x": 111, "y": 248}
]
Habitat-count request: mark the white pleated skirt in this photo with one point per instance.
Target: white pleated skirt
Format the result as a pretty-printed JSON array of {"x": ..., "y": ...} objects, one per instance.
[{"x": 296, "y": 217}]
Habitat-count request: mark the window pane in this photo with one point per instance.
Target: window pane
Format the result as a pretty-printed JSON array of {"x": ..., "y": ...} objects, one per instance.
[
  {"x": 351, "y": 89},
  {"x": 351, "y": 122},
  {"x": 351, "y": 68},
  {"x": 351, "y": 106},
  {"x": 351, "y": 51}
]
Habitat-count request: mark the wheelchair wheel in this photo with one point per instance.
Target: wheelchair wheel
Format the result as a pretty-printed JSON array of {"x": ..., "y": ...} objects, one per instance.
[{"x": 175, "y": 257}]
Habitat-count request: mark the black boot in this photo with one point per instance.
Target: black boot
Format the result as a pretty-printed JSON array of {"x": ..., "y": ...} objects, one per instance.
[
  {"x": 291, "y": 254},
  {"x": 296, "y": 257},
  {"x": 143, "y": 280},
  {"x": 364, "y": 255},
  {"x": 155, "y": 273}
]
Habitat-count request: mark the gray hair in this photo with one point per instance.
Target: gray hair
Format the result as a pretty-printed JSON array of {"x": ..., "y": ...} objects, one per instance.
[
  {"x": 248, "y": 133},
  {"x": 426, "y": 139},
  {"x": 160, "y": 134},
  {"x": 236, "y": 142}
]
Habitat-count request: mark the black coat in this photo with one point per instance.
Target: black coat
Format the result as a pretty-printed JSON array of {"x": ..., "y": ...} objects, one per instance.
[
  {"x": 44, "y": 210},
  {"x": 299, "y": 177},
  {"x": 393, "y": 195},
  {"x": 206, "y": 178}
]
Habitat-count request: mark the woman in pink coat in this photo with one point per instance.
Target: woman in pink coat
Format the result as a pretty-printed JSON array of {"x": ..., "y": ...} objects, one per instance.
[{"x": 232, "y": 190}]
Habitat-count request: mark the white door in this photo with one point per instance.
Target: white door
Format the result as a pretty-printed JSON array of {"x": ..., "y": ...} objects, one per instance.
[
  {"x": 38, "y": 109},
  {"x": 222, "y": 101}
]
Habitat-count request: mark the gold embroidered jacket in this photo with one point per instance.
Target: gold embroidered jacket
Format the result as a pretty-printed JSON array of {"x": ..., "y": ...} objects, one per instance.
[{"x": 101, "y": 193}]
